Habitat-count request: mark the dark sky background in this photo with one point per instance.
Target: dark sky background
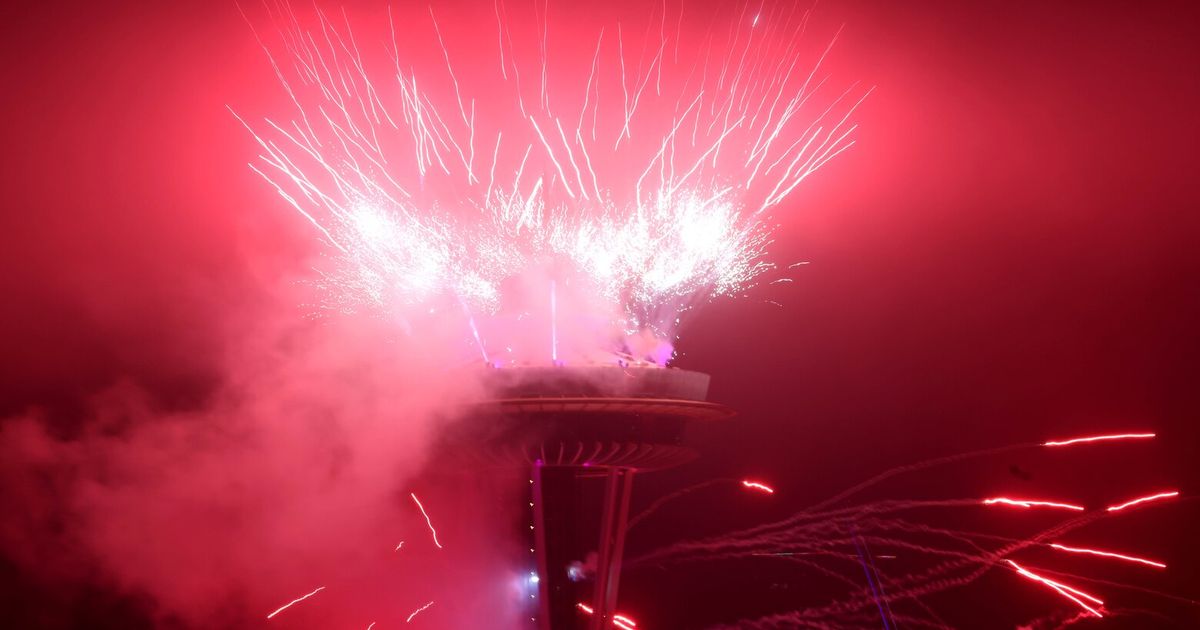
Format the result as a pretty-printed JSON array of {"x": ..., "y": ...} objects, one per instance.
[{"x": 1009, "y": 254}]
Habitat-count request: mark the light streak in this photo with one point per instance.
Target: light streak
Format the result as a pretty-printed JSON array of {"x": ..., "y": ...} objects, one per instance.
[
  {"x": 553, "y": 322},
  {"x": 371, "y": 626},
  {"x": 399, "y": 546},
  {"x": 1140, "y": 500},
  {"x": 754, "y": 485},
  {"x": 1109, "y": 554},
  {"x": 621, "y": 621},
  {"x": 1064, "y": 590},
  {"x": 295, "y": 601},
  {"x": 475, "y": 333},
  {"x": 1026, "y": 503},
  {"x": 1101, "y": 438},
  {"x": 427, "y": 521},
  {"x": 417, "y": 611}
]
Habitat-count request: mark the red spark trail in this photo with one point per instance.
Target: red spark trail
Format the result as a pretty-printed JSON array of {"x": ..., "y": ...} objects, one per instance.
[
  {"x": 399, "y": 546},
  {"x": 1025, "y": 503},
  {"x": 618, "y": 620},
  {"x": 427, "y": 521},
  {"x": 754, "y": 485},
  {"x": 1153, "y": 497},
  {"x": 1098, "y": 438},
  {"x": 295, "y": 601},
  {"x": 1109, "y": 554},
  {"x": 415, "y": 612},
  {"x": 1063, "y": 589}
]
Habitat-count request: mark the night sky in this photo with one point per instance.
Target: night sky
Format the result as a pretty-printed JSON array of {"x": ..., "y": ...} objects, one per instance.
[{"x": 1008, "y": 255}]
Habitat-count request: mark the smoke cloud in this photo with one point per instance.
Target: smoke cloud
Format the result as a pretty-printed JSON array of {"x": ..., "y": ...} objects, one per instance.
[{"x": 294, "y": 473}]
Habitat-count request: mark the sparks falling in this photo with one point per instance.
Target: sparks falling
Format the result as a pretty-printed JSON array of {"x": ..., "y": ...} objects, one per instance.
[
  {"x": 1138, "y": 501},
  {"x": 1109, "y": 554},
  {"x": 417, "y": 612},
  {"x": 621, "y": 621},
  {"x": 760, "y": 487},
  {"x": 427, "y": 520},
  {"x": 1070, "y": 593},
  {"x": 1027, "y": 503},
  {"x": 1101, "y": 438},
  {"x": 295, "y": 601},
  {"x": 936, "y": 557},
  {"x": 649, "y": 187}
]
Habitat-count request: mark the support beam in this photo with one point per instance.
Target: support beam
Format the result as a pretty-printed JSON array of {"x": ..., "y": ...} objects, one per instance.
[{"x": 619, "y": 487}]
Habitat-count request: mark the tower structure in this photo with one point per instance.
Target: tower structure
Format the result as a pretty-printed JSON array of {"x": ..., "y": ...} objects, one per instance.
[{"x": 577, "y": 430}]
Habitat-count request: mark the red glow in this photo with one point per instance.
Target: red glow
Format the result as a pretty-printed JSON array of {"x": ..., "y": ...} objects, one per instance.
[
  {"x": 427, "y": 521},
  {"x": 584, "y": 607},
  {"x": 415, "y": 612},
  {"x": 621, "y": 624},
  {"x": 618, "y": 619},
  {"x": 754, "y": 485},
  {"x": 1153, "y": 497},
  {"x": 143, "y": 251},
  {"x": 1109, "y": 554},
  {"x": 1063, "y": 589},
  {"x": 1026, "y": 503},
  {"x": 1099, "y": 438},
  {"x": 295, "y": 601}
]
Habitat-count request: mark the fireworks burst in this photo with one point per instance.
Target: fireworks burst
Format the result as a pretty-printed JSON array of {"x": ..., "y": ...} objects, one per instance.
[{"x": 632, "y": 187}]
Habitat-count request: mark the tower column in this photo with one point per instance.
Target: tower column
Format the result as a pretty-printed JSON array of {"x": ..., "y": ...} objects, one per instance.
[{"x": 618, "y": 488}]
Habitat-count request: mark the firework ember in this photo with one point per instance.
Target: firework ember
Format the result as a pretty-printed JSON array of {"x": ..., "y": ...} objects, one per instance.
[
  {"x": 760, "y": 487},
  {"x": 1064, "y": 590},
  {"x": 428, "y": 522},
  {"x": 417, "y": 612},
  {"x": 1026, "y": 503},
  {"x": 822, "y": 538},
  {"x": 1109, "y": 554},
  {"x": 1140, "y": 500},
  {"x": 295, "y": 601},
  {"x": 1101, "y": 438}
]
